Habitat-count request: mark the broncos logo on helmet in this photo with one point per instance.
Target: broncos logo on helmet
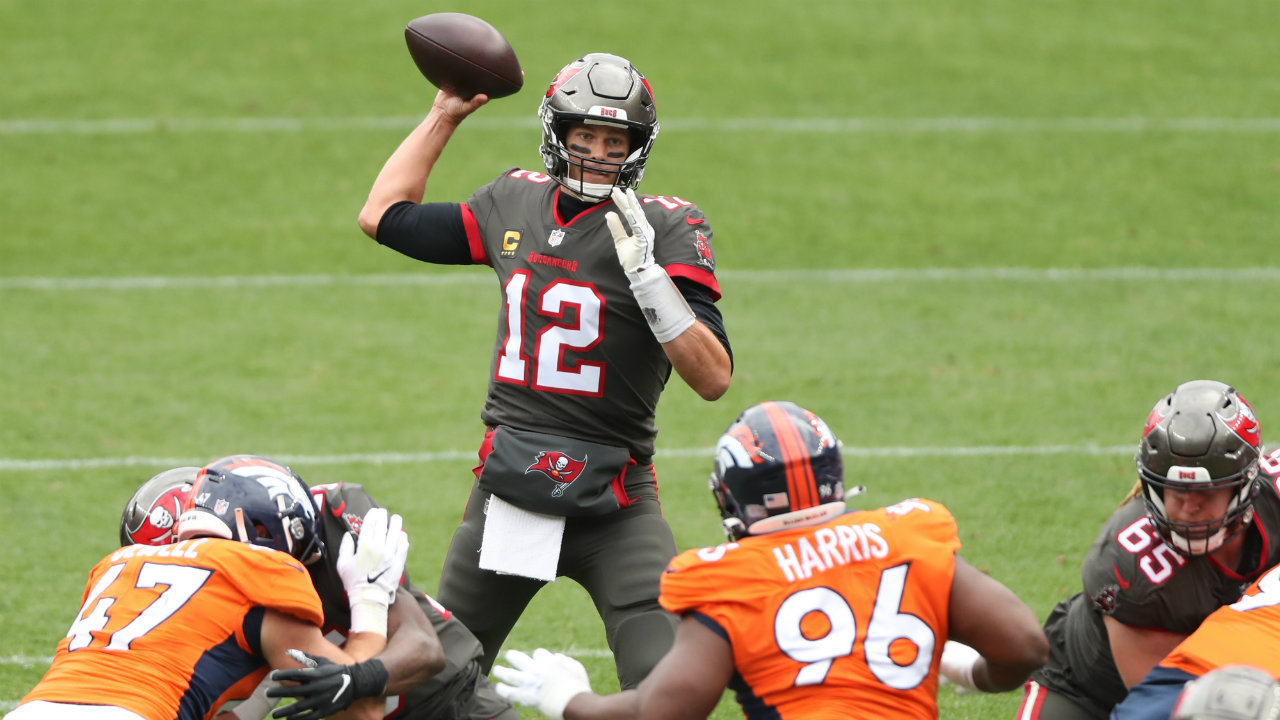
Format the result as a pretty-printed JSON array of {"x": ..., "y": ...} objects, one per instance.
[{"x": 253, "y": 500}]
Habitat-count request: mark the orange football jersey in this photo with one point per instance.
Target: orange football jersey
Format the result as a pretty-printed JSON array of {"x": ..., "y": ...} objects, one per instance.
[
  {"x": 162, "y": 629},
  {"x": 838, "y": 620},
  {"x": 1246, "y": 631}
]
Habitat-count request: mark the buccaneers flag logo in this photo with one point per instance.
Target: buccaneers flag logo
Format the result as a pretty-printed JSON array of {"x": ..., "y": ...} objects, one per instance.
[
  {"x": 561, "y": 468},
  {"x": 703, "y": 244}
]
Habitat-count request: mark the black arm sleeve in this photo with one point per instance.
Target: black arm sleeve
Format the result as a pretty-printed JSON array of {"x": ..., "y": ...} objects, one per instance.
[
  {"x": 704, "y": 308},
  {"x": 430, "y": 232}
]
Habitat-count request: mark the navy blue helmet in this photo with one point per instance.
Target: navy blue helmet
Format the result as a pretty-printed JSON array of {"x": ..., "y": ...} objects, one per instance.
[
  {"x": 253, "y": 500},
  {"x": 777, "y": 466}
]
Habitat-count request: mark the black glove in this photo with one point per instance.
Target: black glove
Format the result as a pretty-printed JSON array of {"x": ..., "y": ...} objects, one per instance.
[{"x": 325, "y": 687}]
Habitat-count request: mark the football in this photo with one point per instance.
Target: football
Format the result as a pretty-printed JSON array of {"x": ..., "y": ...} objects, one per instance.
[{"x": 465, "y": 54}]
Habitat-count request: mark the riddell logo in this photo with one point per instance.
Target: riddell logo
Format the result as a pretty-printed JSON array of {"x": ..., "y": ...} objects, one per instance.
[
  {"x": 608, "y": 112},
  {"x": 1186, "y": 475}
]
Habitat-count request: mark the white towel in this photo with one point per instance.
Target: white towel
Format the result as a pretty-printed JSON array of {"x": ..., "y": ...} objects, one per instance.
[{"x": 519, "y": 542}]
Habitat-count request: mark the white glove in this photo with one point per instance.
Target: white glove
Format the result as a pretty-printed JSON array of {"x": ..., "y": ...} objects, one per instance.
[
  {"x": 664, "y": 308},
  {"x": 372, "y": 567},
  {"x": 546, "y": 681},
  {"x": 635, "y": 247},
  {"x": 957, "y": 664}
]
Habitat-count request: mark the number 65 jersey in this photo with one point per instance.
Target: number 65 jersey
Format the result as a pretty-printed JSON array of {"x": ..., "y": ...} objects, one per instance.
[{"x": 842, "y": 619}]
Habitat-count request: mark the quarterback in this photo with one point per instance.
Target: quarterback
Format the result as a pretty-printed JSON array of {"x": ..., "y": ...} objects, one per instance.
[{"x": 602, "y": 293}]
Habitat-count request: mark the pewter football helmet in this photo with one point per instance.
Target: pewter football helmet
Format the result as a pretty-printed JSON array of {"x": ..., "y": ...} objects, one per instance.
[
  {"x": 604, "y": 89},
  {"x": 1201, "y": 436}
]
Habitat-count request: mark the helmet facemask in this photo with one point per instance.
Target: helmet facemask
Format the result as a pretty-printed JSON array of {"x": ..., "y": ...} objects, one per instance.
[
  {"x": 598, "y": 89},
  {"x": 1199, "y": 438},
  {"x": 1200, "y": 538}
]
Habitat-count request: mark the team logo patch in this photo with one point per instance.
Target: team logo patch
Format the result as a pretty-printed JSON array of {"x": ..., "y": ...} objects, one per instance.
[
  {"x": 561, "y": 468},
  {"x": 354, "y": 522},
  {"x": 1105, "y": 600},
  {"x": 556, "y": 237},
  {"x": 703, "y": 245}
]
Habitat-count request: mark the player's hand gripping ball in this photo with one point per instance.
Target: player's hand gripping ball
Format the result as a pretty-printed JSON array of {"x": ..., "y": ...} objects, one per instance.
[{"x": 464, "y": 54}]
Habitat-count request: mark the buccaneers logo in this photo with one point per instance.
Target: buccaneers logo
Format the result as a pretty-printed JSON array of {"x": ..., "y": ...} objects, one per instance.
[
  {"x": 160, "y": 526},
  {"x": 703, "y": 244},
  {"x": 1245, "y": 423},
  {"x": 561, "y": 468}
]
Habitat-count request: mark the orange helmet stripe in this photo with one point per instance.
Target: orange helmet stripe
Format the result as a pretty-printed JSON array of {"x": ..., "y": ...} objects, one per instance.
[{"x": 802, "y": 489}]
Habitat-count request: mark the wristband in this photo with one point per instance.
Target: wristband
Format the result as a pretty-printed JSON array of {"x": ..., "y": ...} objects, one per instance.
[
  {"x": 369, "y": 610},
  {"x": 664, "y": 308}
]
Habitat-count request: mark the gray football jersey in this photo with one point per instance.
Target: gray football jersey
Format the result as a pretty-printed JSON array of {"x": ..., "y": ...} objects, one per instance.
[
  {"x": 1130, "y": 574},
  {"x": 573, "y": 354},
  {"x": 342, "y": 506}
]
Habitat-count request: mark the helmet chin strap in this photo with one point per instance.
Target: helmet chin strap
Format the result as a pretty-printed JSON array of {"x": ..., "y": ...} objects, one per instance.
[
  {"x": 1202, "y": 546},
  {"x": 589, "y": 192}
]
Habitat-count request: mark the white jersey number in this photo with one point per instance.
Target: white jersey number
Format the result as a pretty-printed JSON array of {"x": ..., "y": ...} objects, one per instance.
[
  {"x": 573, "y": 313},
  {"x": 887, "y": 625},
  {"x": 181, "y": 583}
]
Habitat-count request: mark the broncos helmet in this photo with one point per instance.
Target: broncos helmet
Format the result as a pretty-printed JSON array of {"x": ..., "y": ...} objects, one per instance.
[
  {"x": 604, "y": 89},
  {"x": 777, "y": 466},
  {"x": 1201, "y": 436},
  {"x": 1230, "y": 692},
  {"x": 151, "y": 515},
  {"x": 253, "y": 500}
]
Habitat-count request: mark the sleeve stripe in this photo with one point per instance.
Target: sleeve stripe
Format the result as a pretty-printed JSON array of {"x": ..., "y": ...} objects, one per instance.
[
  {"x": 478, "y": 255},
  {"x": 696, "y": 274}
]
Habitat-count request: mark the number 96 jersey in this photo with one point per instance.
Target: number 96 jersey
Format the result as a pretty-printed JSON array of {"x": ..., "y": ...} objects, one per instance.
[{"x": 843, "y": 619}]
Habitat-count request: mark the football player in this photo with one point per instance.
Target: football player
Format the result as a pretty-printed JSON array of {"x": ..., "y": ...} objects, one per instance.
[
  {"x": 163, "y": 632},
  {"x": 1244, "y": 633},
  {"x": 811, "y": 610},
  {"x": 430, "y": 657},
  {"x": 603, "y": 292},
  {"x": 1201, "y": 524}
]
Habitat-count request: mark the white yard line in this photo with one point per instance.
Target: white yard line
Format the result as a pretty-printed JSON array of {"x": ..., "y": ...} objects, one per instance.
[
  {"x": 833, "y": 125},
  {"x": 424, "y": 458},
  {"x": 841, "y": 276}
]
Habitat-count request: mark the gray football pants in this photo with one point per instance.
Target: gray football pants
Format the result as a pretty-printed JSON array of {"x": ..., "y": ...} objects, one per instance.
[{"x": 618, "y": 558}]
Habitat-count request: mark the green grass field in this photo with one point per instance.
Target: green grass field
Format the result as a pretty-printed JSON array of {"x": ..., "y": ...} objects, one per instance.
[{"x": 980, "y": 239}]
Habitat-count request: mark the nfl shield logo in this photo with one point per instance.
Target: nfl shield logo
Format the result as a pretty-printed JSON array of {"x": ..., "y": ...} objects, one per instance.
[
  {"x": 220, "y": 506},
  {"x": 557, "y": 237}
]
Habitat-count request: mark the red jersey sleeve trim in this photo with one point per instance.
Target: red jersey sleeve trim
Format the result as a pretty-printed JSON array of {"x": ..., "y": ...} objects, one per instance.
[
  {"x": 696, "y": 274},
  {"x": 478, "y": 255}
]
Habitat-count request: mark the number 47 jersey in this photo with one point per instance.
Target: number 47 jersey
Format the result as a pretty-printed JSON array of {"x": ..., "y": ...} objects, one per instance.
[{"x": 843, "y": 619}]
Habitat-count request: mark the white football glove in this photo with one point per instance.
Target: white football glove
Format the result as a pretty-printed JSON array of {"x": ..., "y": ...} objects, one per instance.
[
  {"x": 634, "y": 246},
  {"x": 371, "y": 569},
  {"x": 664, "y": 308},
  {"x": 546, "y": 681},
  {"x": 957, "y": 664}
]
